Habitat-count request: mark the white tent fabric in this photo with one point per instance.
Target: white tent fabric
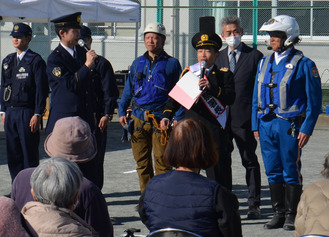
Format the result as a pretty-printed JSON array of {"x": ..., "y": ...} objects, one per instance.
[{"x": 92, "y": 10}]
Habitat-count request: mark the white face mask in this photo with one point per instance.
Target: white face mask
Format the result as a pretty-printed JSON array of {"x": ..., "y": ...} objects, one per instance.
[{"x": 233, "y": 41}]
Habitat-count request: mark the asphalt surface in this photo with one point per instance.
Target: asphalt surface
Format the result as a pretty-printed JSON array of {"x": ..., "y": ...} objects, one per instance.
[{"x": 121, "y": 188}]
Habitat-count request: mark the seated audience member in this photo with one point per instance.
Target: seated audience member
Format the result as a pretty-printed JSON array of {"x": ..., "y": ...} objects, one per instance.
[
  {"x": 73, "y": 140},
  {"x": 184, "y": 199},
  {"x": 11, "y": 221},
  {"x": 55, "y": 188},
  {"x": 313, "y": 208}
]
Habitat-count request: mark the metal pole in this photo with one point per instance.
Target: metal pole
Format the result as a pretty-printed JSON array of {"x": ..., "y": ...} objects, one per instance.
[
  {"x": 238, "y": 9},
  {"x": 311, "y": 20},
  {"x": 49, "y": 37},
  {"x": 136, "y": 40},
  {"x": 159, "y": 11},
  {"x": 254, "y": 23},
  {"x": 0, "y": 44},
  {"x": 274, "y": 10}
]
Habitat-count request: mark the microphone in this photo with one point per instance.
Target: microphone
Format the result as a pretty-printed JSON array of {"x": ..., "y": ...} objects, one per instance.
[
  {"x": 83, "y": 44},
  {"x": 203, "y": 70},
  {"x": 267, "y": 43}
]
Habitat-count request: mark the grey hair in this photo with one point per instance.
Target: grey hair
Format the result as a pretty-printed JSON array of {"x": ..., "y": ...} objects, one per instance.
[
  {"x": 227, "y": 20},
  {"x": 56, "y": 181}
]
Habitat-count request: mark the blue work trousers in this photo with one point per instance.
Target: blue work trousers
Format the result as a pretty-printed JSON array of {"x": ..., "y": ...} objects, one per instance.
[{"x": 280, "y": 151}]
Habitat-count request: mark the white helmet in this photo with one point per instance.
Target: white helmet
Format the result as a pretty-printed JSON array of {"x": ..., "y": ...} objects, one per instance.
[
  {"x": 155, "y": 28},
  {"x": 285, "y": 24}
]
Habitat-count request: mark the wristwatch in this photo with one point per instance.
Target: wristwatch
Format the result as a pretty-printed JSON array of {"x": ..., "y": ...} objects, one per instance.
[{"x": 109, "y": 116}]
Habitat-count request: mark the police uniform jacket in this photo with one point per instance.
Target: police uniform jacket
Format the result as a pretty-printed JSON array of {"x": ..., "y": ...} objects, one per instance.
[
  {"x": 303, "y": 89},
  {"x": 104, "y": 86},
  {"x": 70, "y": 84},
  {"x": 26, "y": 84},
  {"x": 221, "y": 86}
]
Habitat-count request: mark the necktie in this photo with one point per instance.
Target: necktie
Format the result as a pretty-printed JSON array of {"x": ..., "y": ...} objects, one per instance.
[
  {"x": 18, "y": 61},
  {"x": 232, "y": 61},
  {"x": 75, "y": 56}
]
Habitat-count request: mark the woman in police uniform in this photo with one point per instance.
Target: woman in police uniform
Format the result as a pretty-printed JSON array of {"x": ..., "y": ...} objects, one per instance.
[{"x": 218, "y": 92}]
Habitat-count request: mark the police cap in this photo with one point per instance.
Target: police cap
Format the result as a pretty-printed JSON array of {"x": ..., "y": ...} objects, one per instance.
[
  {"x": 207, "y": 35},
  {"x": 20, "y": 29},
  {"x": 70, "y": 21},
  {"x": 85, "y": 32}
]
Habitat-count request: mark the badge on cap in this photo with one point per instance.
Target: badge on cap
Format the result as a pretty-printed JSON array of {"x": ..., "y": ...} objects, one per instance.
[
  {"x": 78, "y": 18},
  {"x": 204, "y": 37},
  {"x": 57, "y": 71},
  {"x": 16, "y": 27},
  {"x": 271, "y": 21},
  {"x": 289, "y": 66}
]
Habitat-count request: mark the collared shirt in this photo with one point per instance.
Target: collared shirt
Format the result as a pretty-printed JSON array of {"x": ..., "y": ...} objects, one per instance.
[
  {"x": 237, "y": 51},
  {"x": 152, "y": 62},
  {"x": 68, "y": 49},
  {"x": 279, "y": 56},
  {"x": 209, "y": 69},
  {"x": 21, "y": 56}
]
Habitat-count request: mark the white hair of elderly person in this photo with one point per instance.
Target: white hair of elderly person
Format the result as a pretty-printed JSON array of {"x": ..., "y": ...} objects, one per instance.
[
  {"x": 55, "y": 188},
  {"x": 11, "y": 222}
]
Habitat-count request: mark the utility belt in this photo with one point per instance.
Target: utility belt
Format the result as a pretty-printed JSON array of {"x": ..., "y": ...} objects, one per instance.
[
  {"x": 294, "y": 121},
  {"x": 19, "y": 106},
  {"x": 151, "y": 120},
  {"x": 136, "y": 106}
]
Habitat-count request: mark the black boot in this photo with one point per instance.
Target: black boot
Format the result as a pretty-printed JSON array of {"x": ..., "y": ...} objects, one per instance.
[
  {"x": 293, "y": 193},
  {"x": 277, "y": 197}
]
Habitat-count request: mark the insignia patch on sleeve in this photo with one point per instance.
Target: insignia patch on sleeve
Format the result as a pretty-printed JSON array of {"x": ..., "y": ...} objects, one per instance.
[
  {"x": 315, "y": 72},
  {"x": 57, "y": 71}
]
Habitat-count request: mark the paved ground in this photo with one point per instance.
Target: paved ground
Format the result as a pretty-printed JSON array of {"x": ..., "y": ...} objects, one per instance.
[{"x": 121, "y": 188}]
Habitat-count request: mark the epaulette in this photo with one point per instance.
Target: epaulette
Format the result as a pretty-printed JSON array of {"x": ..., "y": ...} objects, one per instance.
[
  {"x": 183, "y": 72},
  {"x": 224, "y": 69}
]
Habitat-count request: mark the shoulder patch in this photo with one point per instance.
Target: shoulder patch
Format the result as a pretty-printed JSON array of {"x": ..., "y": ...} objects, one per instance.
[
  {"x": 224, "y": 69},
  {"x": 315, "y": 72},
  {"x": 57, "y": 71}
]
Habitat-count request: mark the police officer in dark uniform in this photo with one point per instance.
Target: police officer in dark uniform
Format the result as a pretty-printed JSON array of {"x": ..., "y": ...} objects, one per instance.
[
  {"x": 24, "y": 90},
  {"x": 69, "y": 70},
  {"x": 105, "y": 101},
  {"x": 218, "y": 92}
]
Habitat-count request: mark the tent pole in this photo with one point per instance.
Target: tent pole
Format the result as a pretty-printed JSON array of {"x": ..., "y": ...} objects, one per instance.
[
  {"x": 49, "y": 36},
  {"x": 136, "y": 40},
  {"x": 0, "y": 42}
]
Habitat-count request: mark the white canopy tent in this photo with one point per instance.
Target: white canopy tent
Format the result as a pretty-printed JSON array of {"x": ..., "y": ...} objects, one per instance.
[
  {"x": 92, "y": 10},
  {"x": 42, "y": 11}
]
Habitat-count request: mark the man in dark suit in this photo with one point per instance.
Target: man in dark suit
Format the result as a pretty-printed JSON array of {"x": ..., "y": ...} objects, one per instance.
[
  {"x": 242, "y": 61},
  {"x": 69, "y": 74}
]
